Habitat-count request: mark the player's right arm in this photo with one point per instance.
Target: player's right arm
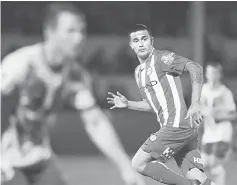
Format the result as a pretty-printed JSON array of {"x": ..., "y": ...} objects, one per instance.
[
  {"x": 120, "y": 101},
  {"x": 14, "y": 70}
]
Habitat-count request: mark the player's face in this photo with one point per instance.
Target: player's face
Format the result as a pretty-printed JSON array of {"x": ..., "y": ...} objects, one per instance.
[
  {"x": 213, "y": 74},
  {"x": 142, "y": 43},
  {"x": 29, "y": 118},
  {"x": 69, "y": 34}
]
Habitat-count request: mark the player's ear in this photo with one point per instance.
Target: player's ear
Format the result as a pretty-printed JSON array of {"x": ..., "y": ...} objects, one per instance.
[
  {"x": 130, "y": 44},
  {"x": 152, "y": 41},
  {"x": 46, "y": 33}
]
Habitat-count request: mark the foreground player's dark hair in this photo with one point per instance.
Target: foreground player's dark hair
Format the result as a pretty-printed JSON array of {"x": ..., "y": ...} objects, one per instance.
[
  {"x": 139, "y": 27},
  {"x": 54, "y": 9}
]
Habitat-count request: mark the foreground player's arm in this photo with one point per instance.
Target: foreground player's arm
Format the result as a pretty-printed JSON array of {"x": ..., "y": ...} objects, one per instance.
[
  {"x": 14, "y": 69},
  {"x": 103, "y": 135}
]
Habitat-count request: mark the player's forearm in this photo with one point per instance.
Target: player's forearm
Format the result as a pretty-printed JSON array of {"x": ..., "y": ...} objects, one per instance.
[
  {"x": 196, "y": 91},
  {"x": 105, "y": 138},
  {"x": 226, "y": 116},
  {"x": 140, "y": 105},
  {"x": 196, "y": 75}
]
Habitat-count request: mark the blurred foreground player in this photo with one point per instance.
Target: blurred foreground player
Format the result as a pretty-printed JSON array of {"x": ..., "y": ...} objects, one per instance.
[
  {"x": 219, "y": 109},
  {"x": 158, "y": 79},
  {"x": 47, "y": 77}
]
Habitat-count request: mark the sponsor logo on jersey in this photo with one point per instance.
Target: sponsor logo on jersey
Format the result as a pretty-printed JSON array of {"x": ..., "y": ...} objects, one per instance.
[
  {"x": 198, "y": 160},
  {"x": 148, "y": 86},
  {"x": 168, "y": 59}
]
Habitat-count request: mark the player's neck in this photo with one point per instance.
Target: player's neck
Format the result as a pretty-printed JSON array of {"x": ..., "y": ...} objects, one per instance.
[
  {"x": 215, "y": 85},
  {"x": 144, "y": 60},
  {"x": 52, "y": 54}
]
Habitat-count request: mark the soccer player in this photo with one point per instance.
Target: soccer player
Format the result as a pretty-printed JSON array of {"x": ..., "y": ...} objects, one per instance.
[
  {"x": 158, "y": 79},
  {"x": 47, "y": 77},
  {"x": 219, "y": 109}
]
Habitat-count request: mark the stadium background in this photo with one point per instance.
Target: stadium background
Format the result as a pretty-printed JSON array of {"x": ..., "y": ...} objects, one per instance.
[{"x": 200, "y": 31}]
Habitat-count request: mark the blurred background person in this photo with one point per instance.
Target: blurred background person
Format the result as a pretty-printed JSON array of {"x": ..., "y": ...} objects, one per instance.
[
  {"x": 219, "y": 108},
  {"x": 48, "y": 78}
]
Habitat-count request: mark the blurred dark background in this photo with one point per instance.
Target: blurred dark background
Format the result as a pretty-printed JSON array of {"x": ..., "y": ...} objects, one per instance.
[{"x": 203, "y": 31}]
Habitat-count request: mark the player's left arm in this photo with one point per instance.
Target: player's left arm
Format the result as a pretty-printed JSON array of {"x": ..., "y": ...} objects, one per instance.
[
  {"x": 176, "y": 65},
  {"x": 196, "y": 74}
]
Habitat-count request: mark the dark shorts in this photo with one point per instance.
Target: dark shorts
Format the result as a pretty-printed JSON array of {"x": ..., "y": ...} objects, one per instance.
[
  {"x": 219, "y": 149},
  {"x": 45, "y": 173},
  {"x": 180, "y": 143}
]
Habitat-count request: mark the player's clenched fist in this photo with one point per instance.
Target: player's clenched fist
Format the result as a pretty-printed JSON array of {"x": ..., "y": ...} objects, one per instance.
[{"x": 119, "y": 101}]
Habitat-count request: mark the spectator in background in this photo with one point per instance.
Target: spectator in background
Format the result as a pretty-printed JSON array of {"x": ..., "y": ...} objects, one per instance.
[{"x": 219, "y": 108}]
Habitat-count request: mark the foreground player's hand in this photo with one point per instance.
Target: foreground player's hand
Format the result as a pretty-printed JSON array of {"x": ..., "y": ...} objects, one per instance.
[
  {"x": 194, "y": 113},
  {"x": 119, "y": 101},
  {"x": 133, "y": 178},
  {"x": 7, "y": 171}
]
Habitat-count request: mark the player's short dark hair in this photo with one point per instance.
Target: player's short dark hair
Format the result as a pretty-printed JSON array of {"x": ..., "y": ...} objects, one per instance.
[
  {"x": 54, "y": 9},
  {"x": 139, "y": 27}
]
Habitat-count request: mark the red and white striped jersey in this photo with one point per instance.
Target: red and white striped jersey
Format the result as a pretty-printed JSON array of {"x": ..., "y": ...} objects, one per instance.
[
  {"x": 159, "y": 83},
  {"x": 68, "y": 88}
]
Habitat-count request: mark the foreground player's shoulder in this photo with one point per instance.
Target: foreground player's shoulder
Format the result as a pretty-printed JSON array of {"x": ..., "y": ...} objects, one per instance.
[
  {"x": 20, "y": 57},
  {"x": 15, "y": 67}
]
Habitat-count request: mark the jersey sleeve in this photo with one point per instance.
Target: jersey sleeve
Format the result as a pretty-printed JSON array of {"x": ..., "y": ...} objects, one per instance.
[
  {"x": 83, "y": 99},
  {"x": 14, "y": 70},
  {"x": 80, "y": 85},
  {"x": 172, "y": 63}
]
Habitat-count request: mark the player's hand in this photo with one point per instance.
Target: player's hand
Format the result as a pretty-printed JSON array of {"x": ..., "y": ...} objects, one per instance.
[
  {"x": 132, "y": 178},
  {"x": 119, "y": 101},
  {"x": 194, "y": 113}
]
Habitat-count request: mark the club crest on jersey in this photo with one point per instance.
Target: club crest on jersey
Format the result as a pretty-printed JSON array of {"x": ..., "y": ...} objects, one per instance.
[
  {"x": 168, "y": 59},
  {"x": 149, "y": 71},
  {"x": 153, "y": 137}
]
